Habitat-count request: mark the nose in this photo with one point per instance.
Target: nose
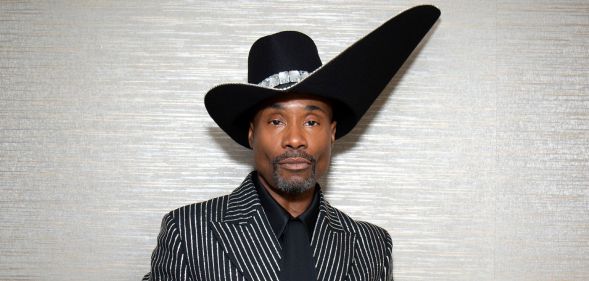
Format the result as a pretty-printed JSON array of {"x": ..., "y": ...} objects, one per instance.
[{"x": 294, "y": 138}]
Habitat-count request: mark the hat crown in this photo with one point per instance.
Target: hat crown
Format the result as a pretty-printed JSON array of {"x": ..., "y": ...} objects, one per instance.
[{"x": 279, "y": 52}]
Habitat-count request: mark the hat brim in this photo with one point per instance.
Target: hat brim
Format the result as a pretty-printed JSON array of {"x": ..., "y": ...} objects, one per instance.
[{"x": 351, "y": 81}]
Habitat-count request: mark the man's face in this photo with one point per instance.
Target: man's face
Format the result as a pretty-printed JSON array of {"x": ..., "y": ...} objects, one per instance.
[{"x": 292, "y": 140}]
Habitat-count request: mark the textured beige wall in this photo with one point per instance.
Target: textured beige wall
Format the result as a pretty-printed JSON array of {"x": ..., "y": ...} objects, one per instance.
[{"x": 475, "y": 159}]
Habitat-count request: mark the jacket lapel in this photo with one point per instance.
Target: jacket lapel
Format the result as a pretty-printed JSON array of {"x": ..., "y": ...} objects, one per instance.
[
  {"x": 245, "y": 235},
  {"x": 332, "y": 244}
]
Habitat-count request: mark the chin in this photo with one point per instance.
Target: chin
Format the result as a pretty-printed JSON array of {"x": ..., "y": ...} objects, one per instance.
[{"x": 294, "y": 184}]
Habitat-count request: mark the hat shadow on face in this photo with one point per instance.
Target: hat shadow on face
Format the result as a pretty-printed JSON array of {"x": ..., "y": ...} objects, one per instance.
[{"x": 237, "y": 153}]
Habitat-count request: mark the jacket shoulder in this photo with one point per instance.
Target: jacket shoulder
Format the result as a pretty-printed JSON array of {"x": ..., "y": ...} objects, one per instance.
[
  {"x": 374, "y": 245},
  {"x": 360, "y": 227},
  {"x": 212, "y": 209},
  {"x": 366, "y": 232},
  {"x": 379, "y": 233}
]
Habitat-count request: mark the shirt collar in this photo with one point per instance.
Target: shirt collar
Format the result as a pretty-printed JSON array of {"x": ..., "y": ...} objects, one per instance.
[{"x": 279, "y": 217}]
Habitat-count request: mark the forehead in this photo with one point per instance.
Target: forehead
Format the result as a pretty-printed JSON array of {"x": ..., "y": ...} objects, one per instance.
[{"x": 299, "y": 102}]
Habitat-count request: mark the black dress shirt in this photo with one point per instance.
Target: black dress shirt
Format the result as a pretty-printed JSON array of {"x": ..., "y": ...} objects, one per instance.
[{"x": 283, "y": 225}]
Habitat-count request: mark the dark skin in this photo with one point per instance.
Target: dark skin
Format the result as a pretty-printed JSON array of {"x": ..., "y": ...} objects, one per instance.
[{"x": 296, "y": 123}]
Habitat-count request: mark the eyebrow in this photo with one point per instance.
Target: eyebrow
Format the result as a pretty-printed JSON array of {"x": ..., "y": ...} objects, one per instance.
[{"x": 307, "y": 107}]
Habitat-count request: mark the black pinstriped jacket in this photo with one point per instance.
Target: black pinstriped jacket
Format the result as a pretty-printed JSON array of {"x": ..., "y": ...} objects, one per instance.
[{"x": 230, "y": 238}]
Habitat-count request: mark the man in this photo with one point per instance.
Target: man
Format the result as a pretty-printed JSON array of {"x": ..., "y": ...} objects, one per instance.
[{"x": 277, "y": 225}]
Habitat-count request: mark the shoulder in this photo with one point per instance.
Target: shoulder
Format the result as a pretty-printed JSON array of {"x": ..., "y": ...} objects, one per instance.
[
  {"x": 372, "y": 230},
  {"x": 366, "y": 232},
  {"x": 197, "y": 213}
]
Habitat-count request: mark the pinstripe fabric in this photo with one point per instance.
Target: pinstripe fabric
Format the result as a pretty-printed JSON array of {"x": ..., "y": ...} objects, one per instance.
[{"x": 230, "y": 238}]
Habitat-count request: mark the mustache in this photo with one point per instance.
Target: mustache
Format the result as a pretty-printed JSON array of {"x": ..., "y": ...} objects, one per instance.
[{"x": 294, "y": 154}]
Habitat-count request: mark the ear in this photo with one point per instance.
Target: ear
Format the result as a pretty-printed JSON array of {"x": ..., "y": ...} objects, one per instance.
[
  {"x": 250, "y": 135},
  {"x": 333, "y": 128}
]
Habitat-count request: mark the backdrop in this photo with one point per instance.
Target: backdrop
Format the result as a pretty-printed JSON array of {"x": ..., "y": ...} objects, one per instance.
[{"x": 474, "y": 158}]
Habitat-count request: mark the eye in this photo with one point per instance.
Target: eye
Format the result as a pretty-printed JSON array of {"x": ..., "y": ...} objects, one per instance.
[
  {"x": 311, "y": 123},
  {"x": 275, "y": 122}
]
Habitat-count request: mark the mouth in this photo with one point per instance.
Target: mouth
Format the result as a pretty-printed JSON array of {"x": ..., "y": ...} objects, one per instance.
[{"x": 295, "y": 164}]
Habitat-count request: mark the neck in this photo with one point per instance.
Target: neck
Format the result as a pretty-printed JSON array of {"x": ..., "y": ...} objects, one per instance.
[{"x": 294, "y": 204}]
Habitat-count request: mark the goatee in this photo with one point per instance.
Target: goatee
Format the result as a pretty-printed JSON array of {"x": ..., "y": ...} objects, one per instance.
[{"x": 294, "y": 186}]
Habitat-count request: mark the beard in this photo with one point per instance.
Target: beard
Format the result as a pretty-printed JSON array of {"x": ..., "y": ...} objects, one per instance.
[{"x": 294, "y": 186}]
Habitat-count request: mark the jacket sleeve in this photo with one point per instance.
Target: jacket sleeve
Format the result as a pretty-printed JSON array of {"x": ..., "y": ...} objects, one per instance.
[
  {"x": 389, "y": 269},
  {"x": 168, "y": 261}
]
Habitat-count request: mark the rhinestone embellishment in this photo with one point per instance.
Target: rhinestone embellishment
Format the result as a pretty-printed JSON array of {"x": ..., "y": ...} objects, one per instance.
[{"x": 284, "y": 77}]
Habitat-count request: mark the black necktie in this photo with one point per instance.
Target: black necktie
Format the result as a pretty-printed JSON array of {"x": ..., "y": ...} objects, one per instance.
[{"x": 298, "y": 260}]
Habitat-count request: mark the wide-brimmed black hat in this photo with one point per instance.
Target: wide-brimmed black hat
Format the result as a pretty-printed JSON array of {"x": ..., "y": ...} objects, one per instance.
[{"x": 288, "y": 63}]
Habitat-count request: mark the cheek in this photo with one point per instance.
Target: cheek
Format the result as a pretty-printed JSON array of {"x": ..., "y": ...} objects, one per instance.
[
  {"x": 324, "y": 151},
  {"x": 326, "y": 155},
  {"x": 266, "y": 143},
  {"x": 264, "y": 146}
]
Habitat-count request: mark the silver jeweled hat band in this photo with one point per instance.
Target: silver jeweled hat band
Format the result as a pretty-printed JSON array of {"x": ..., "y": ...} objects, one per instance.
[{"x": 284, "y": 77}]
